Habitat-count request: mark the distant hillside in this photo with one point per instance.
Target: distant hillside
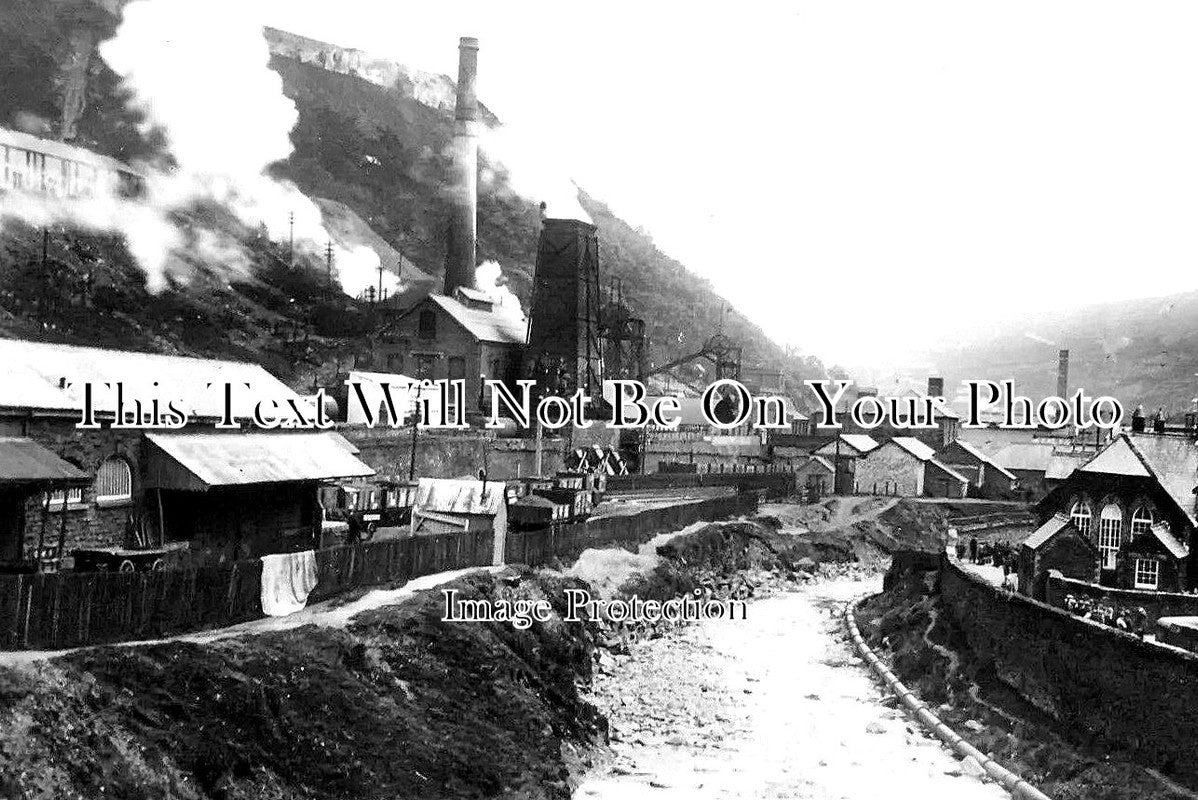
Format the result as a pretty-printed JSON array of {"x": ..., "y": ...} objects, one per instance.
[
  {"x": 374, "y": 159},
  {"x": 1140, "y": 351},
  {"x": 381, "y": 152}
]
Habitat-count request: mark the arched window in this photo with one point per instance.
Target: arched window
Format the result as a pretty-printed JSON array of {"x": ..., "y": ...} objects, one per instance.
[
  {"x": 1110, "y": 530},
  {"x": 114, "y": 481},
  {"x": 1141, "y": 521},
  {"x": 1081, "y": 516}
]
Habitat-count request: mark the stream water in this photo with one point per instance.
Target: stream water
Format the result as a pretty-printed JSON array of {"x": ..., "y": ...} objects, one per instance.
[{"x": 774, "y": 706}]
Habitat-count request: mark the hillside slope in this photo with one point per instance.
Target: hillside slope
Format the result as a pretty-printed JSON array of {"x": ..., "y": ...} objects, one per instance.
[
  {"x": 1142, "y": 351},
  {"x": 374, "y": 159}
]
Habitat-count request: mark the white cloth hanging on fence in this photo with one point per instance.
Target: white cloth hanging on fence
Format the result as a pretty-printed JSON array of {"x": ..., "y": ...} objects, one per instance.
[{"x": 287, "y": 580}]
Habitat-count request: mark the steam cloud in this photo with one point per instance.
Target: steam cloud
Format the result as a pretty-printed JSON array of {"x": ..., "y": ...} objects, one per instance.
[
  {"x": 533, "y": 171},
  {"x": 200, "y": 73},
  {"x": 489, "y": 278}
]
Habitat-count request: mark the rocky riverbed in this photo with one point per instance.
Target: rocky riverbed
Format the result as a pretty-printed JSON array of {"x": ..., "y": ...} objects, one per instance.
[{"x": 776, "y": 705}]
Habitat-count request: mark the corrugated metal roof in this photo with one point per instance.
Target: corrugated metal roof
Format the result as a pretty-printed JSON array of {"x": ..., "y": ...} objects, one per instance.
[
  {"x": 36, "y": 375},
  {"x": 487, "y": 325},
  {"x": 26, "y": 461},
  {"x": 199, "y": 461},
  {"x": 446, "y": 496}
]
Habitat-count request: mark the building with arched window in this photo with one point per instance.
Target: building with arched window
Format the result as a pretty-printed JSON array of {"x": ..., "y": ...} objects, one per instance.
[
  {"x": 1134, "y": 502},
  {"x": 71, "y": 495}
]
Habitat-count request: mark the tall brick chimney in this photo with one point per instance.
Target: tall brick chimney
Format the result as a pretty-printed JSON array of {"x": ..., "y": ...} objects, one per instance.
[
  {"x": 1062, "y": 373},
  {"x": 462, "y": 254}
]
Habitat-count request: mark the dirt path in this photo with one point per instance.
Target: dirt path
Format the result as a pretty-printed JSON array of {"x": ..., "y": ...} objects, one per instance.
[
  {"x": 773, "y": 706},
  {"x": 335, "y": 612}
]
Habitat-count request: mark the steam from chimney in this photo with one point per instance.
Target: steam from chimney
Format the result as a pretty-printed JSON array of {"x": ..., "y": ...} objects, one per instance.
[
  {"x": 200, "y": 73},
  {"x": 534, "y": 171},
  {"x": 489, "y": 278}
]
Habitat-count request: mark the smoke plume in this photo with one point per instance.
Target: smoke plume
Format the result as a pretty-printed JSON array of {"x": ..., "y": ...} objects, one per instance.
[
  {"x": 200, "y": 74},
  {"x": 489, "y": 278},
  {"x": 534, "y": 171}
]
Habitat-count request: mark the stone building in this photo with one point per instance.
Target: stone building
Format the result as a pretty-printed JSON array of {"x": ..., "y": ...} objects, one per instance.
[
  {"x": 990, "y": 479},
  {"x": 466, "y": 336},
  {"x": 844, "y": 452},
  {"x": 1056, "y": 545},
  {"x": 197, "y": 487},
  {"x": 1134, "y": 501},
  {"x": 906, "y": 467}
]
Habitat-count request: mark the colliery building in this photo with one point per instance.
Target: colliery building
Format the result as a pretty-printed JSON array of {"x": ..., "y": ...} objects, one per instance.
[
  {"x": 198, "y": 492},
  {"x": 466, "y": 336}
]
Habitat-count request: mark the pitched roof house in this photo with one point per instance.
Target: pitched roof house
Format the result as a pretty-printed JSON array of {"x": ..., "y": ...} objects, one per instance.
[
  {"x": 904, "y": 466},
  {"x": 467, "y": 336},
  {"x": 1135, "y": 502}
]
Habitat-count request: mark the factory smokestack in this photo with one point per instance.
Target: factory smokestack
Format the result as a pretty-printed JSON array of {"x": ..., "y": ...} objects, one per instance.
[
  {"x": 1062, "y": 373},
  {"x": 463, "y": 227}
]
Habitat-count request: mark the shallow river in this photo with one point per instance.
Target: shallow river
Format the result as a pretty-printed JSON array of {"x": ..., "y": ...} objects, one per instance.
[{"x": 774, "y": 706}]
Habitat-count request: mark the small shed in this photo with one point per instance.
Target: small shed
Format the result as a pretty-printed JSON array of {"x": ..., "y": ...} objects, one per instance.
[
  {"x": 458, "y": 506},
  {"x": 28, "y": 470},
  {"x": 814, "y": 477},
  {"x": 1058, "y": 545},
  {"x": 240, "y": 495}
]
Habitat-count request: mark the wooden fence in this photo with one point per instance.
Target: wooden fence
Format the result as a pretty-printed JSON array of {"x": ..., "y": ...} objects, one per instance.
[{"x": 52, "y": 611}]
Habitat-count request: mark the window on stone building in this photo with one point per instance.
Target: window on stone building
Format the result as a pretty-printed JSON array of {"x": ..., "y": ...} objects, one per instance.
[
  {"x": 427, "y": 326},
  {"x": 395, "y": 362},
  {"x": 457, "y": 368},
  {"x": 424, "y": 366},
  {"x": 1148, "y": 573},
  {"x": 1110, "y": 530},
  {"x": 114, "y": 481},
  {"x": 1141, "y": 521},
  {"x": 1080, "y": 516},
  {"x": 74, "y": 496}
]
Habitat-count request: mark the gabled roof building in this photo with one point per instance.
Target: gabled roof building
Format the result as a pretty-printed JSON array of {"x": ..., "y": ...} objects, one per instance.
[{"x": 1134, "y": 501}]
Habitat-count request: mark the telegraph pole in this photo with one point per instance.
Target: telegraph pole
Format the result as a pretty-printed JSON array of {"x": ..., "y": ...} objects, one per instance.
[
  {"x": 328, "y": 258},
  {"x": 291, "y": 239}
]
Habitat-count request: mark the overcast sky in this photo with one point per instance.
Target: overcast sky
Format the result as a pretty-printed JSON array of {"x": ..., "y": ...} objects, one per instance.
[{"x": 858, "y": 177}]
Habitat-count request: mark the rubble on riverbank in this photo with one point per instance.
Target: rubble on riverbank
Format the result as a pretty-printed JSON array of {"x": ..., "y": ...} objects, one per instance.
[{"x": 393, "y": 702}]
